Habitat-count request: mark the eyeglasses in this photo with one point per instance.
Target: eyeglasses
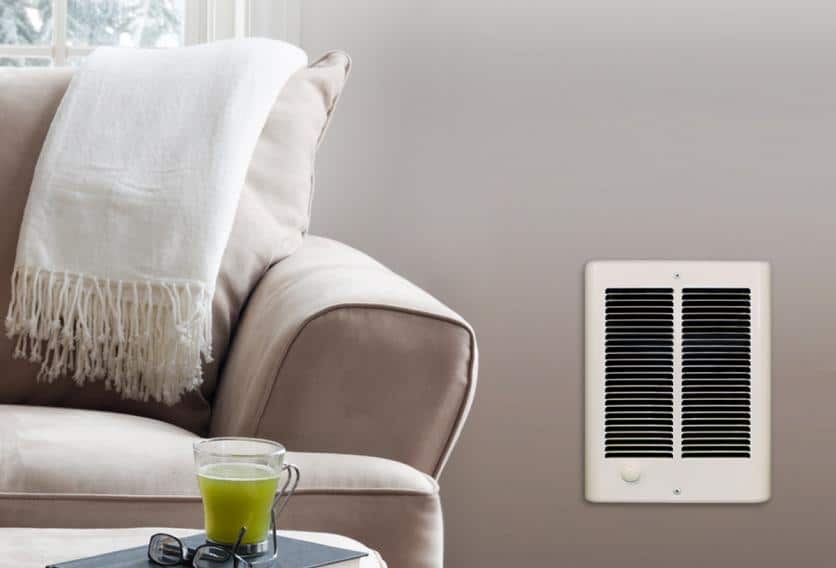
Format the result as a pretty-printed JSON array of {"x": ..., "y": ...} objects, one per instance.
[{"x": 168, "y": 550}]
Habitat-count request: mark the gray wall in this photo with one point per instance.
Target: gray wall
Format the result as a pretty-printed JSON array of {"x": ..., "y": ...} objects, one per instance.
[{"x": 487, "y": 149}]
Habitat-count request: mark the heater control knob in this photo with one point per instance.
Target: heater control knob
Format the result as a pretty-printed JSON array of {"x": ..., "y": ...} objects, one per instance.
[{"x": 630, "y": 473}]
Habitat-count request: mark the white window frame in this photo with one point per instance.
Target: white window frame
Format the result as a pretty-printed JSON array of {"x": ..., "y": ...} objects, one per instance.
[{"x": 205, "y": 20}]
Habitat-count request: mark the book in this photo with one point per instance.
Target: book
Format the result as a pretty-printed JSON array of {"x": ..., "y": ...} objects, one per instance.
[{"x": 293, "y": 553}]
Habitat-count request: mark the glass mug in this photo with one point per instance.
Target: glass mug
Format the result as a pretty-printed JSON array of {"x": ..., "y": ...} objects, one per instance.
[{"x": 238, "y": 480}]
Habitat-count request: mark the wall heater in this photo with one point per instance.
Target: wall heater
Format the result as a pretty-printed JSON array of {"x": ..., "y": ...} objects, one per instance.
[{"x": 677, "y": 381}]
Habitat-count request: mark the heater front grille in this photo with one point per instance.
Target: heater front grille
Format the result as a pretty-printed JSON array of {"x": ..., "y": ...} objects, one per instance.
[
  {"x": 716, "y": 372},
  {"x": 639, "y": 344}
]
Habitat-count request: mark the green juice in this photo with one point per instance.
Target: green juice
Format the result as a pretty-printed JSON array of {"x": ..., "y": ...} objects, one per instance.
[{"x": 237, "y": 495}]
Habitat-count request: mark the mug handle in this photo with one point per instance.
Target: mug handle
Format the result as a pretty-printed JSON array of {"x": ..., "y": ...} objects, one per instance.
[{"x": 287, "y": 490}]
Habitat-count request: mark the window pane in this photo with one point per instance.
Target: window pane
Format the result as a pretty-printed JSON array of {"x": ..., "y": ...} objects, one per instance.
[
  {"x": 25, "y": 62},
  {"x": 127, "y": 23},
  {"x": 25, "y": 22}
]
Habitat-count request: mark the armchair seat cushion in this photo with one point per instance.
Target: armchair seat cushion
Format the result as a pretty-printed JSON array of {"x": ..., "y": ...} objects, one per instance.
[{"x": 63, "y": 467}]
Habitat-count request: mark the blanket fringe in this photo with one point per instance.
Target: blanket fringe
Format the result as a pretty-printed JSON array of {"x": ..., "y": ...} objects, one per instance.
[{"x": 145, "y": 339}]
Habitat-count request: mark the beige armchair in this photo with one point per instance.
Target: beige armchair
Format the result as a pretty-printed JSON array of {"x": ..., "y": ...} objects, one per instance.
[{"x": 366, "y": 379}]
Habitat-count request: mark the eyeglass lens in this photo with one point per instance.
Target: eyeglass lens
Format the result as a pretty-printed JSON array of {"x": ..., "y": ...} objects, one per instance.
[
  {"x": 210, "y": 556},
  {"x": 165, "y": 549}
]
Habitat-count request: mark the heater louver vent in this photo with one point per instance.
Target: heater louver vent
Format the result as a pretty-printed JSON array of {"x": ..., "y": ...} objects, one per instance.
[
  {"x": 716, "y": 373},
  {"x": 639, "y": 372}
]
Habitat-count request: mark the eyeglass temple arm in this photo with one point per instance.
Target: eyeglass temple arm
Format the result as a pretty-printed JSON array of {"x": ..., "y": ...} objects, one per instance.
[{"x": 238, "y": 540}]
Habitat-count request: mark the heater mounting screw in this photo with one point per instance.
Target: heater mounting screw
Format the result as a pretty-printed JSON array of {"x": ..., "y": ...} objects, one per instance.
[
  {"x": 677, "y": 491},
  {"x": 676, "y": 275}
]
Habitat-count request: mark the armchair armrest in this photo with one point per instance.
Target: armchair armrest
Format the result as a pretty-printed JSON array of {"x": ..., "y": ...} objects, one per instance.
[{"x": 336, "y": 353}]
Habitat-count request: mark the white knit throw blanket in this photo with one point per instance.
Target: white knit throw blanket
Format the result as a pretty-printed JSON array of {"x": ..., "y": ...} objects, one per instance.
[{"x": 130, "y": 209}]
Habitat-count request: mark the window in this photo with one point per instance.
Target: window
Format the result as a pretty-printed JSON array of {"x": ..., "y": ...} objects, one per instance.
[{"x": 62, "y": 32}]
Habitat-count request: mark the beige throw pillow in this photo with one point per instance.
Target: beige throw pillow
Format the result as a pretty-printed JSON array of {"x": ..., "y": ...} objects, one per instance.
[{"x": 272, "y": 216}]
